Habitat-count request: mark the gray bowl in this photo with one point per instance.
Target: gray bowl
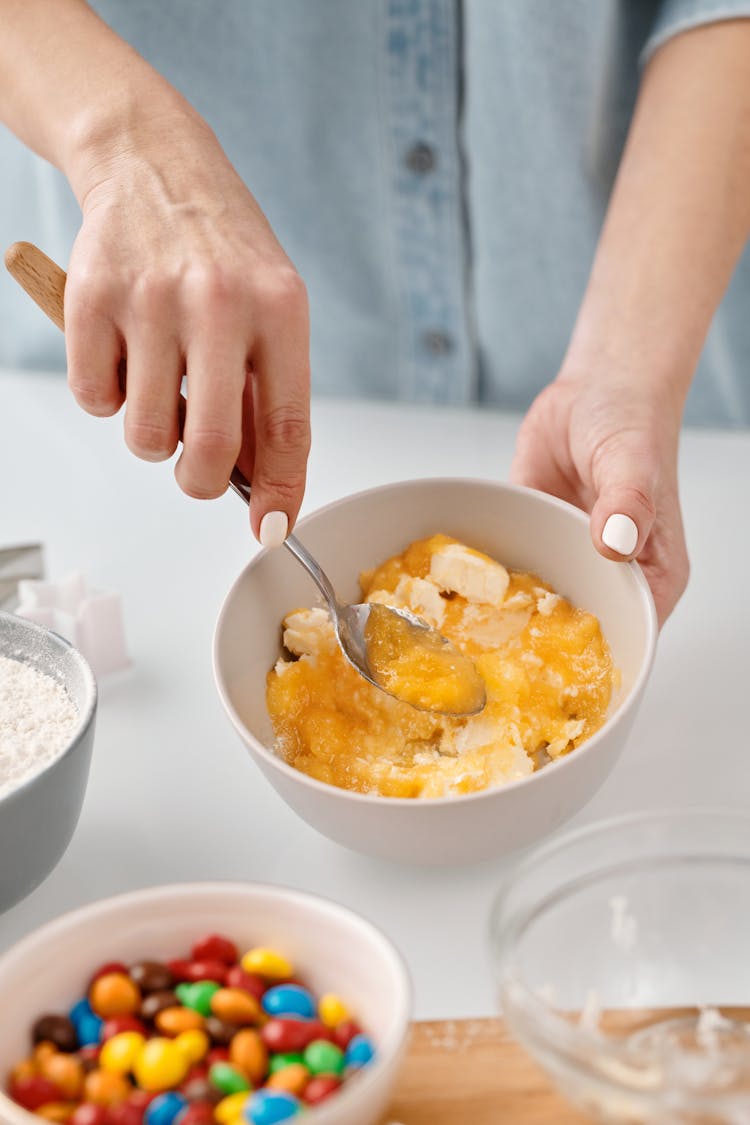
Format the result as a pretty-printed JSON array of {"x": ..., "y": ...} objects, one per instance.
[{"x": 37, "y": 819}]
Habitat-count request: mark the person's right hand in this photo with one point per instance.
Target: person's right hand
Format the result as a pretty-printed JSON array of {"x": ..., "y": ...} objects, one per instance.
[{"x": 177, "y": 272}]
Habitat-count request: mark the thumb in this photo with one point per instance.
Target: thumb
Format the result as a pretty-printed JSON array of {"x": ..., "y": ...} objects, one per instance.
[{"x": 624, "y": 510}]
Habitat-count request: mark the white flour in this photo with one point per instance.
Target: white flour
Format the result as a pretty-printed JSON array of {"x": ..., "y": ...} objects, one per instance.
[{"x": 37, "y": 721}]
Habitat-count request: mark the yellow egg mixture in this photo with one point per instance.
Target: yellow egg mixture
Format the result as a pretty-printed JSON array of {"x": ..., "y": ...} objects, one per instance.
[{"x": 546, "y": 667}]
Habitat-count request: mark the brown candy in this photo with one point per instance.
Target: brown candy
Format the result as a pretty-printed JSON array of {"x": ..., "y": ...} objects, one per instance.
[
  {"x": 201, "y": 1090},
  {"x": 156, "y": 1002},
  {"x": 221, "y": 1031},
  {"x": 55, "y": 1029},
  {"x": 151, "y": 976}
]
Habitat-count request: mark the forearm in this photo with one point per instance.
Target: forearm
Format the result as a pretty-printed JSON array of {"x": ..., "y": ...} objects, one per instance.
[
  {"x": 73, "y": 90},
  {"x": 679, "y": 215}
]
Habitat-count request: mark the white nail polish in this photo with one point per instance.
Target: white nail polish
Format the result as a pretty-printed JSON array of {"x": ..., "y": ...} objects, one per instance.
[
  {"x": 273, "y": 529},
  {"x": 620, "y": 534}
]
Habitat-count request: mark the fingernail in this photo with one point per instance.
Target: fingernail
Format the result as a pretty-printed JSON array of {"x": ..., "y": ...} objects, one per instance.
[
  {"x": 273, "y": 529},
  {"x": 620, "y": 534}
]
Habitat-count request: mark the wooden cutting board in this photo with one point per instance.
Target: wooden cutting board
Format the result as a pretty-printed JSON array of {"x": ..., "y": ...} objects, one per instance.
[
  {"x": 458, "y": 1072},
  {"x": 461, "y": 1071}
]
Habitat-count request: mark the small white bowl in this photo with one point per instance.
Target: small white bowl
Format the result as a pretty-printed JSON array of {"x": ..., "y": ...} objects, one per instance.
[
  {"x": 522, "y": 528},
  {"x": 333, "y": 948}
]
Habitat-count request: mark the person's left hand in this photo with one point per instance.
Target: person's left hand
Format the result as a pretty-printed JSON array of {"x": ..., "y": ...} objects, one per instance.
[{"x": 611, "y": 449}]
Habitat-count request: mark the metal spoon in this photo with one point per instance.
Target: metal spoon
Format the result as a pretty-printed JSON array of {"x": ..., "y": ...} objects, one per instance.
[{"x": 44, "y": 281}]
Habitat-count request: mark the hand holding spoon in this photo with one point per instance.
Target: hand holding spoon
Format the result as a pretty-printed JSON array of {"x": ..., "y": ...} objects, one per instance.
[{"x": 391, "y": 648}]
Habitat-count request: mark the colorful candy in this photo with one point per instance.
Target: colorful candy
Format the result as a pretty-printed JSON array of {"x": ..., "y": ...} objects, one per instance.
[
  {"x": 215, "y": 1038},
  {"x": 290, "y": 1000},
  {"x": 269, "y": 1107}
]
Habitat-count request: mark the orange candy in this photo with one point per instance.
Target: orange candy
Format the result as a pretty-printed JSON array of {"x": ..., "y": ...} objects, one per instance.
[
  {"x": 292, "y": 1079},
  {"x": 106, "y": 1087},
  {"x": 114, "y": 994},
  {"x": 173, "y": 1021},
  {"x": 26, "y": 1068},
  {"x": 42, "y": 1051},
  {"x": 57, "y": 1111},
  {"x": 66, "y": 1071},
  {"x": 248, "y": 1052},
  {"x": 234, "y": 1005}
]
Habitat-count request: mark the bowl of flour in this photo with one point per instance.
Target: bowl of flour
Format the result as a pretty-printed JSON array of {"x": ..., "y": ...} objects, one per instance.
[{"x": 47, "y": 714}]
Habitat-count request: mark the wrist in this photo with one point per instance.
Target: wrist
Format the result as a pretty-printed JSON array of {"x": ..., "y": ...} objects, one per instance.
[
  {"x": 130, "y": 123},
  {"x": 625, "y": 334}
]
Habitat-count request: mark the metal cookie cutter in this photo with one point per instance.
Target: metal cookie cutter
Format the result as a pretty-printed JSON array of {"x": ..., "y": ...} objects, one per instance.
[{"x": 17, "y": 564}]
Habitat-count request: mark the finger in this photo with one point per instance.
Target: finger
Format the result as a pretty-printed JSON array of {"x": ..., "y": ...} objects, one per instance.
[
  {"x": 537, "y": 464},
  {"x": 94, "y": 348},
  {"x": 212, "y": 435},
  {"x": 154, "y": 373},
  {"x": 281, "y": 367},
  {"x": 626, "y": 474}
]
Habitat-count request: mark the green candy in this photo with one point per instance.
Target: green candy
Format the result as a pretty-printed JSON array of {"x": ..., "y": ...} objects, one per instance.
[
  {"x": 197, "y": 995},
  {"x": 322, "y": 1057},
  {"x": 227, "y": 1078},
  {"x": 278, "y": 1062}
]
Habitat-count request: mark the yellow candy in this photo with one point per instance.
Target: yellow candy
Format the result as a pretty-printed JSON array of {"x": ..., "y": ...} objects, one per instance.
[
  {"x": 332, "y": 1010},
  {"x": 194, "y": 1044},
  {"x": 229, "y": 1109},
  {"x": 267, "y": 963},
  {"x": 120, "y": 1052},
  {"x": 160, "y": 1064}
]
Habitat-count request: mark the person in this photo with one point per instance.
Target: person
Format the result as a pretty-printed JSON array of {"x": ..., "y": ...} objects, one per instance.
[{"x": 457, "y": 182}]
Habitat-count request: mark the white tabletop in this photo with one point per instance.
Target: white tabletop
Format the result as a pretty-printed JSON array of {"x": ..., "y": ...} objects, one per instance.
[{"x": 174, "y": 796}]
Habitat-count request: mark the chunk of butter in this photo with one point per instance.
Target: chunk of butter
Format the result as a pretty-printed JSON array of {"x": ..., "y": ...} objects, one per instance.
[{"x": 458, "y": 569}]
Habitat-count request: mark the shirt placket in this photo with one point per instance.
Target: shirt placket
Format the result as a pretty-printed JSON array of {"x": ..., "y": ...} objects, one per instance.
[{"x": 421, "y": 103}]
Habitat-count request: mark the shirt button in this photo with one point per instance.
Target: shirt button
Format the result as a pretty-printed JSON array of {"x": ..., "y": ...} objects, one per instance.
[
  {"x": 437, "y": 342},
  {"x": 421, "y": 158}
]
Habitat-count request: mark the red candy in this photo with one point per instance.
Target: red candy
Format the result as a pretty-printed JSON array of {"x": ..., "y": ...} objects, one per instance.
[
  {"x": 115, "y": 1024},
  {"x": 89, "y": 1114},
  {"x": 178, "y": 967},
  {"x": 344, "y": 1032},
  {"x": 183, "y": 970},
  {"x": 206, "y": 970},
  {"x": 217, "y": 1054},
  {"x": 199, "y": 1113},
  {"x": 288, "y": 1035},
  {"x": 320, "y": 1087},
  {"x": 248, "y": 982},
  {"x": 214, "y": 947},
  {"x": 35, "y": 1091},
  {"x": 124, "y": 1113},
  {"x": 109, "y": 967}
]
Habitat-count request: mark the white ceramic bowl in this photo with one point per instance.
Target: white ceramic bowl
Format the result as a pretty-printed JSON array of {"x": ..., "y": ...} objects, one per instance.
[
  {"x": 335, "y": 949},
  {"x": 522, "y": 528},
  {"x": 38, "y": 818}
]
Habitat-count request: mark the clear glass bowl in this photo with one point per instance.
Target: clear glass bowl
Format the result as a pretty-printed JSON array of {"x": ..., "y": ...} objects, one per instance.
[{"x": 622, "y": 956}]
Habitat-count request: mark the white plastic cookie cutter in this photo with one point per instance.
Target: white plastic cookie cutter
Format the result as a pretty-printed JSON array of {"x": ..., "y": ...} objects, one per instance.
[{"x": 90, "y": 619}]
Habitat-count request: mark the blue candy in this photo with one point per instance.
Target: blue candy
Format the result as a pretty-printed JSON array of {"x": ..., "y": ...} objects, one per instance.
[
  {"x": 359, "y": 1052},
  {"x": 268, "y": 1107},
  {"x": 87, "y": 1024},
  {"x": 164, "y": 1108},
  {"x": 290, "y": 1000}
]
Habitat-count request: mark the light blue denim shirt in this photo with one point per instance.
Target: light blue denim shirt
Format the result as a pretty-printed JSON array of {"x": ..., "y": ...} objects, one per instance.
[{"x": 437, "y": 171}]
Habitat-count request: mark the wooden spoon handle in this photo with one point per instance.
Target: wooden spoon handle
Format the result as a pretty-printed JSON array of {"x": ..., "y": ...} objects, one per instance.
[{"x": 42, "y": 278}]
